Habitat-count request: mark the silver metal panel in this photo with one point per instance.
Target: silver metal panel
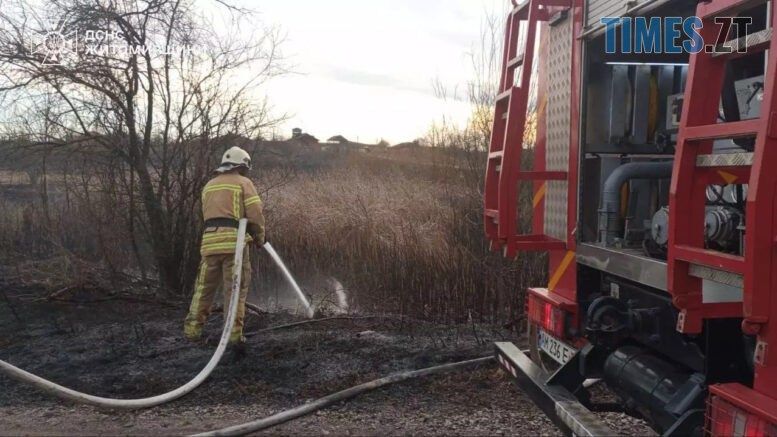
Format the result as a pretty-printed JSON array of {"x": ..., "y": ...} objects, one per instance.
[
  {"x": 719, "y": 276},
  {"x": 558, "y": 130},
  {"x": 598, "y": 9},
  {"x": 717, "y": 286},
  {"x": 715, "y": 292},
  {"x": 725, "y": 160},
  {"x": 628, "y": 264},
  {"x": 742, "y": 44},
  {"x": 556, "y": 210}
]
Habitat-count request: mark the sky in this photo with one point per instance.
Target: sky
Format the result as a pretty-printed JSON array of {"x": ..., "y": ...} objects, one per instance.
[{"x": 365, "y": 69}]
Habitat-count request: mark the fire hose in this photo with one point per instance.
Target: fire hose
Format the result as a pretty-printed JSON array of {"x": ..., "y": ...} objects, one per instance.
[
  {"x": 52, "y": 388},
  {"x": 318, "y": 404},
  {"x": 134, "y": 404}
]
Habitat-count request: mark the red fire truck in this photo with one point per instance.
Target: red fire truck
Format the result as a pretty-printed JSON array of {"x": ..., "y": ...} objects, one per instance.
[{"x": 652, "y": 190}]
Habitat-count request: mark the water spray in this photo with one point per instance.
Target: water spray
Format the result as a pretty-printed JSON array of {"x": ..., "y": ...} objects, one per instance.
[{"x": 274, "y": 255}]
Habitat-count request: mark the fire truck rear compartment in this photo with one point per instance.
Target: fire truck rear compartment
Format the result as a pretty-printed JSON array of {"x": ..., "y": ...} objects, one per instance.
[{"x": 630, "y": 117}]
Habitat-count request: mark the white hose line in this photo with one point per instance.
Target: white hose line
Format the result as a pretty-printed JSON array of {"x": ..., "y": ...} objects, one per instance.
[
  {"x": 274, "y": 255},
  {"x": 134, "y": 404},
  {"x": 318, "y": 404}
]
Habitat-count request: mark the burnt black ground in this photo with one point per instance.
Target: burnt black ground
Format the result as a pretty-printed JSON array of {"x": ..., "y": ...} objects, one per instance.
[{"x": 135, "y": 349}]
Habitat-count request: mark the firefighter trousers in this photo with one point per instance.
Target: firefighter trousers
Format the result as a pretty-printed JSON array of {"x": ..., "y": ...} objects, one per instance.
[{"x": 216, "y": 270}]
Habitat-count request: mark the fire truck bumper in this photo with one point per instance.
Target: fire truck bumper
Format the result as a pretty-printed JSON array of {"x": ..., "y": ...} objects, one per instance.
[{"x": 558, "y": 403}]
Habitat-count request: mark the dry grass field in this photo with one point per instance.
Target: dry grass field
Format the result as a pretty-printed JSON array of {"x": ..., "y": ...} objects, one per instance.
[{"x": 402, "y": 235}]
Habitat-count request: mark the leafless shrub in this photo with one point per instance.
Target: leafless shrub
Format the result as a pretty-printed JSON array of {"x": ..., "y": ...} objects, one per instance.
[{"x": 139, "y": 102}]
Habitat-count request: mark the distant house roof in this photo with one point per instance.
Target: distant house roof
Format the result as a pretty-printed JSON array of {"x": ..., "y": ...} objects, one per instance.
[
  {"x": 338, "y": 139},
  {"x": 305, "y": 138}
]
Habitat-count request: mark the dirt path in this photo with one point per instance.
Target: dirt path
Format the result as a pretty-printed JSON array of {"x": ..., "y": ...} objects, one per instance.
[{"x": 124, "y": 349}]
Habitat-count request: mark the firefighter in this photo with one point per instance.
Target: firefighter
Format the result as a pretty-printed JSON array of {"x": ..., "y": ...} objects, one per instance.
[{"x": 226, "y": 198}]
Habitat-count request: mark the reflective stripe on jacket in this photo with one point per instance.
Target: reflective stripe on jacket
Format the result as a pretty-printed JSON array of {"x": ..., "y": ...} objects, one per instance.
[{"x": 233, "y": 196}]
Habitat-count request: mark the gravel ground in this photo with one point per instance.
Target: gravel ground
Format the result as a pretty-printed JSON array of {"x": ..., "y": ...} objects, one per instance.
[{"x": 134, "y": 349}]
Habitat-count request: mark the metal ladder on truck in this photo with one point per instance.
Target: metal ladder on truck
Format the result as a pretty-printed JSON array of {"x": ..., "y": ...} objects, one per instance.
[
  {"x": 696, "y": 168},
  {"x": 503, "y": 170},
  {"x": 503, "y": 178}
]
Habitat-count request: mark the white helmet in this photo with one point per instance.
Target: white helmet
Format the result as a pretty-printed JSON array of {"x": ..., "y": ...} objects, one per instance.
[{"x": 233, "y": 158}]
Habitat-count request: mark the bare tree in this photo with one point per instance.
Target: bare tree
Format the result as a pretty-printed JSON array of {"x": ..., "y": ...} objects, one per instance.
[
  {"x": 485, "y": 60},
  {"x": 471, "y": 141},
  {"x": 148, "y": 87}
]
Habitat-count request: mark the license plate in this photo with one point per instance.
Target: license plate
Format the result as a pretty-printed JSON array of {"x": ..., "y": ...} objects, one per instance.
[{"x": 555, "y": 348}]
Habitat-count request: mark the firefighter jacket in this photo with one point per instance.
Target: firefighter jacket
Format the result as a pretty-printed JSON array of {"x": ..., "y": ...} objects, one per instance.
[{"x": 230, "y": 196}]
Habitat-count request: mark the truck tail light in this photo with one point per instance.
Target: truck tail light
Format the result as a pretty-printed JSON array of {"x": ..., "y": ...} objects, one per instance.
[
  {"x": 725, "y": 419},
  {"x": 547, "y": 316}
]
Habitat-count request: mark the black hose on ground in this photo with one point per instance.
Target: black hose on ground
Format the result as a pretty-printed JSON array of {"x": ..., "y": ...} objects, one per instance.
[
  {"x": 329, "y": 319},
  {"x": 303, "y": 410},
  {"x": 309, "y": 322}
]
